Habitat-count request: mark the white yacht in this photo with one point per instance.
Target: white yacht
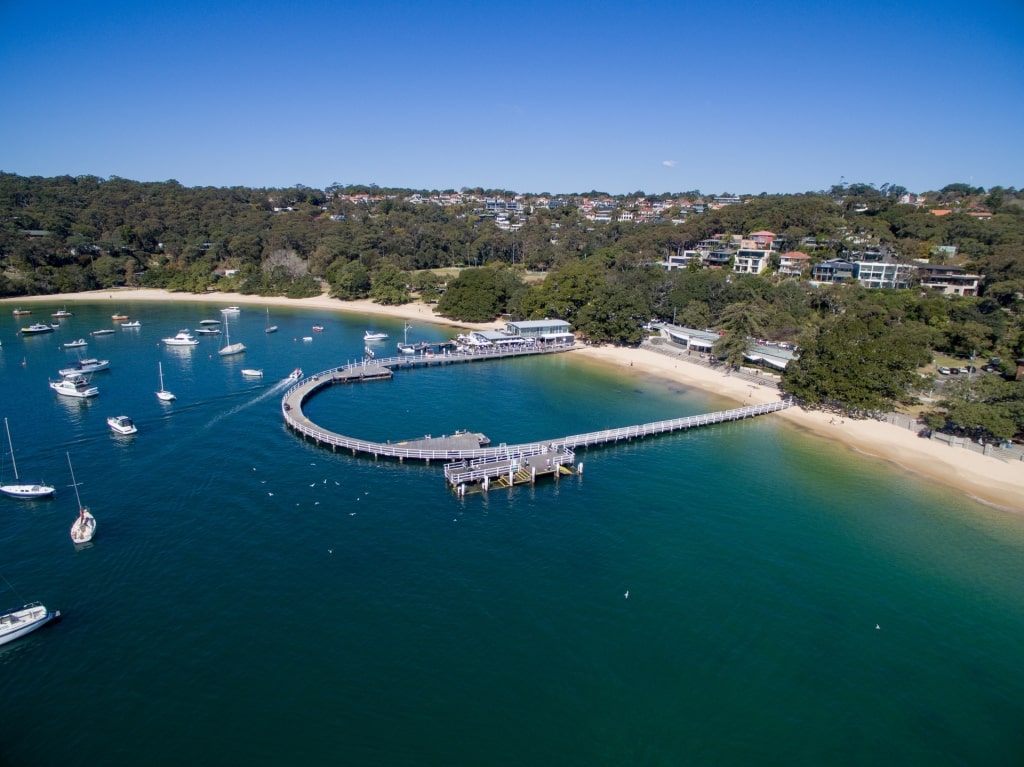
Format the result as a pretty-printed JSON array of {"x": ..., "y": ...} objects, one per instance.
[
  {"x": 251, "y": 373},
  {"x": 75, "y": 386},
  {"x": 182, "y": 338}
]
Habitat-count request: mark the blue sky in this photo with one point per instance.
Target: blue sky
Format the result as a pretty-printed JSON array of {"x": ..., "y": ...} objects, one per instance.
[{"x": 740, "y": 97}]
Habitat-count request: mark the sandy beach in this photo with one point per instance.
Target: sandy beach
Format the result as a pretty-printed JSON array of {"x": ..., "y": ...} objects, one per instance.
[{"x": 987, "y": 479}]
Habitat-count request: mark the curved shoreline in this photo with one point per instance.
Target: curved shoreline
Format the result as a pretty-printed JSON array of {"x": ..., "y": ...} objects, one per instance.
[{"x": 982, "y": 478}]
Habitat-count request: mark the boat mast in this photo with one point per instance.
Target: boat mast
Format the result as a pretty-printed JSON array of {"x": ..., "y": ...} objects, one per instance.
[
  {"x": 74, "y": 482},
  {"x": 14, "y": 465}
]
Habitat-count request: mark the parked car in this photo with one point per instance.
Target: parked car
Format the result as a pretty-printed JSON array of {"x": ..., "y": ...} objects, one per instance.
[{"x": 944, "y": 371}]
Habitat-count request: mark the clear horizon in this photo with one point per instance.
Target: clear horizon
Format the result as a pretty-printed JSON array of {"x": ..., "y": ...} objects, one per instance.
[{"x": 658, "y": 97}]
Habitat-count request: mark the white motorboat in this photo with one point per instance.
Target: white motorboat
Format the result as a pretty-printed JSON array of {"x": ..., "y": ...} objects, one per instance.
[
  {"x": 62, "y": 313},
  {"x": 229, "y": 348},
  {"x": 295, "y": 375},
  {"x": 36, "y": 328},
  {"x": 163, "y": 395},
  {"x": 208, "y": 331},
  {"x": 135, "y": 324},
  {"x": 24, "y": 620},
  {"x": 251, "y": 373},
  {"x": 88, "y": 365},
  {"x": 76, "y": 344},
  {"x": 75, "y": 386},
  {"x": 19, "y": 489},
  {"x": 209, "y": 322},
  {"x": 372, "y": 335},
  {"x": 102, "y": 332},
  {"x": 122, "y": 424},
  {"x": 119, "y": 317},
  {"x": 83, "y": 529},
  {"x": 231, "y": 310},
  {"x": 181, "y": 338},
  {"x": 21, "y": 312}
]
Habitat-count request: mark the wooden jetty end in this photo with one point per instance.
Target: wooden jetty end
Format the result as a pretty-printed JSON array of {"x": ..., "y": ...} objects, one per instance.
[{"x": 470, "y": 461}]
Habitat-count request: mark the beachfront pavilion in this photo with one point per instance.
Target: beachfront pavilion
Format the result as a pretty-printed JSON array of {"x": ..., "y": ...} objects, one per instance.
[
  {"x": 703, "y": 341},
  {"x": 543, "y": 330}
]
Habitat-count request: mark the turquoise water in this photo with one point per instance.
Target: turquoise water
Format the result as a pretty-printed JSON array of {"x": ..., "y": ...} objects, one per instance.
[{"x": 252, "y": 598}]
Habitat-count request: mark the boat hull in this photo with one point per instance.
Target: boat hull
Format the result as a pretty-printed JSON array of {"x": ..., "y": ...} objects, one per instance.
[
  {"x": 84, "y": 528},
  {"x": 27, "y": 491},
  {"x": 17, "y": 623}
]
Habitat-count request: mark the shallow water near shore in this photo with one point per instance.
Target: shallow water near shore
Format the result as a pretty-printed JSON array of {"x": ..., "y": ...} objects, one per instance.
[{"x": 251, "y": 597}]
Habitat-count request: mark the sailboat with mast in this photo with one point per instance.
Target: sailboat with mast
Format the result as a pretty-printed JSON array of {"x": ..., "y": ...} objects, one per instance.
[
  {"x": 163, "y": 395},
  {"x": 84, "y": 527},
  {"x": 19, "y": 489},
  {"x": 270, "y": 328},
  {"x": 229, "y": 348}
]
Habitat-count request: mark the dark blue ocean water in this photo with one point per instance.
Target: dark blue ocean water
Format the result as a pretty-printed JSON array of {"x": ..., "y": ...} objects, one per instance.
[{"x": 252, "y": 598}]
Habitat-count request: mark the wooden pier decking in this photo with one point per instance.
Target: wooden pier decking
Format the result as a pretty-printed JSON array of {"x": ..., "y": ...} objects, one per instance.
[{"x": 470, "y": 460}]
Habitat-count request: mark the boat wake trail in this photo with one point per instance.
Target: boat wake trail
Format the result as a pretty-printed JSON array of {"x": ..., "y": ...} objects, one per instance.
[{"x": 270, "y": 392}]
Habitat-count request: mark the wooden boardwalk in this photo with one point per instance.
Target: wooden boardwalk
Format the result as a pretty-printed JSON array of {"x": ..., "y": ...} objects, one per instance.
[{"x": 469, "y": 459}]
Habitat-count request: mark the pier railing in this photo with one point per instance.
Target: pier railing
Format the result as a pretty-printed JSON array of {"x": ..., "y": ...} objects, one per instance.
[{"x": 295, "y": 395}]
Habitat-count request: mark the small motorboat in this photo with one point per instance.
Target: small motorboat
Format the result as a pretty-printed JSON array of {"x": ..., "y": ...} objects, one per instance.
[
  {"x": 62, "y": 313},
  {"x": 24, "y": 620},
  {"x": 135, "y": 324},
  {"x": 318, "y": 328},
  {"x": 208, "y": 331},
  {"x": 37, "y": 327},
  {"x": 209, "y": 322},
  {"x": 119, "y": 317},
  {"x": 307, "y": 339},
  {"x": 372, "y": 335},
  {"x": 88, "y": 365},
  {"x": 19, "y": 312},
  {"x": 122, "y": 424},
  {"x": 231, "y": 310},
  {"x": 295, "y": 375},
  {"x": 75, "y": 344},
  {"x": 251, "y": 373},
  {"x": 103, "y": 332}
]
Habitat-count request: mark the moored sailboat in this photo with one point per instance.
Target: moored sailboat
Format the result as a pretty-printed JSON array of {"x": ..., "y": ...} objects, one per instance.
[
  {"x": 24, "y": 620},
  {"x": 19, "y": 489},
  {"x": 83, "y": 529},
  {"x": 229, "y": 348},
  {"x": 163, "y": 395},
  {"x": 270, "y": 328}
]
